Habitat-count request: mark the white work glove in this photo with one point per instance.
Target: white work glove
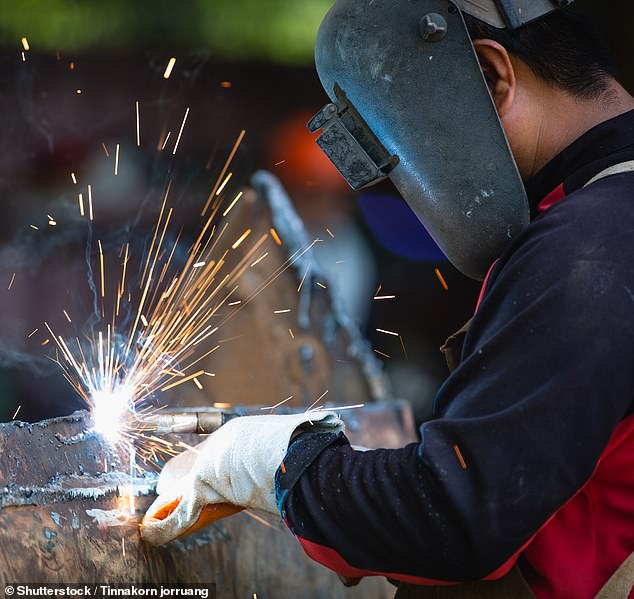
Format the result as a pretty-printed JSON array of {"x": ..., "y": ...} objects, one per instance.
[{"x": 234, "y": 468}]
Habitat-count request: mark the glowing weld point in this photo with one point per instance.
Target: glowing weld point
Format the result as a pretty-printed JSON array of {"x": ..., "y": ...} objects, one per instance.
[{"x": 109, "y": 410}]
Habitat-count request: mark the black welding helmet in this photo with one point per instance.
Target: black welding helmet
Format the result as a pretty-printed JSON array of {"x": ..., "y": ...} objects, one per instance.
[{"x": 410, "y": 102}]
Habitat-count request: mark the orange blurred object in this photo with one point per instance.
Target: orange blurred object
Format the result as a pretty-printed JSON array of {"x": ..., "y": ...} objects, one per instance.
[{"x": 303, "y": 164}]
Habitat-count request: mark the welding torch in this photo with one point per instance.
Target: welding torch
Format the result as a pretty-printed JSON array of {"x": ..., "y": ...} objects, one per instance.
[{"x": 201, "y": 421}]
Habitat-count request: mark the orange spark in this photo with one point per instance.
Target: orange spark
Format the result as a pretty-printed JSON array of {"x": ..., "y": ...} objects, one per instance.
[
  {"x": 441, "y": 279},
  {"x": 459, "y": 454},
  {"x": 232, "y": 204},
  {"x": 241, "y": 239},
  {"x": 275, "y": 236}
]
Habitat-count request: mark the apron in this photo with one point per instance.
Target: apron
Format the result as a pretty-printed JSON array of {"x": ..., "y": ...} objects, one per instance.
[{"x": 513, "y": 585}]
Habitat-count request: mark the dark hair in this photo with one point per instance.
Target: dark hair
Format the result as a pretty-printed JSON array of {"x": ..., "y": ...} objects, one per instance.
[{"x": 562, "y": 48}]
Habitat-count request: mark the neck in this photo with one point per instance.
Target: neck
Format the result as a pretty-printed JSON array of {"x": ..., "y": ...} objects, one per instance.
[{"x": 568, "y": 118}]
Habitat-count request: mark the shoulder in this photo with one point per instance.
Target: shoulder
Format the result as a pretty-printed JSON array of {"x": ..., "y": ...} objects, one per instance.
[
  {"x": 596, "y": 222},
  {"x": 580, "y": 252}
]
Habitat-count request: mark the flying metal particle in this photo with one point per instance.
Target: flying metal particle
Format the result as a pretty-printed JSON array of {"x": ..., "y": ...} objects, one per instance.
[
  {"x": 259, "y": 260},
  {"x": 381, "y": 353},
  {"x": 280, "y": 162},
  {"x": 403, "y": 346},
  {"x": 224, "y": 170},
  {"x": 384, "y": 297},
  {"x": 387, "y": 332},
  {"x": 78, "y": 91},
  {"x": 459, "y": 454},
  {"x": 290, "y": 332},
  {"x": 90, "y": 201},
  {"x": 138, "y": 126},
  {"x": 275, "y": 236},
  {"x": 303, "y": 279},
  {"x": 81, "y": 204},
  {"x": 278, "y": 404},
  {"x": 67, "y": 316},
  {"x": 16, "y": 412},
  {"x": 183, "y": 380},
  {"x": 72, "y": 176},
  {"x": 34, "y": 227},
  {"x": 286, "y": 311},
  {"x": 321, "y": 285},
  {"x": 32, "y": 333},
  {"x": 199, "y": 264},
  {"x": 241, "y": 239},
  {"x": 178, "y": 139},
  {"x": 224, "y": 184},
  {"x": 103, "y": 145},
  {"x": 329, "y": 232},
  {"x": 232, "y": 204},
  {"x": 165, "y": 140},
  {"x": 317, "y": 400},
  {"x": 226, "y": 84},
  {"x": 198, "y": 383},
  {"x": 103, "y": 276},
  {"x": 25, "y": 44},
  {"x": 441, "y": 279},
  {"x": 116, "y": 161},
  {"x": 169, "y": 67},
  {"x": 11, "y": 283}
]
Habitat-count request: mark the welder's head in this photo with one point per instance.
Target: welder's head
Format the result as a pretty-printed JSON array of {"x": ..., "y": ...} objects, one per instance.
[
  {"x": 532, "y": 68},
  {"x": 409, "y": 83}
]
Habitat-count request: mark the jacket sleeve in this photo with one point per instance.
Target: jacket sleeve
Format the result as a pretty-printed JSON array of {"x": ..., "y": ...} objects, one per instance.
[{"x": 518, "y": 428}]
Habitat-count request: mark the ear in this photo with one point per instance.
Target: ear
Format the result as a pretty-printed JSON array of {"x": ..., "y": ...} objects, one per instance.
[{"x": 499, "y": 72}]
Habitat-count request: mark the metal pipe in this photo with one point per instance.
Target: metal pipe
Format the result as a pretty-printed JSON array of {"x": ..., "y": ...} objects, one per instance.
[{"x": 198, "y": 421}]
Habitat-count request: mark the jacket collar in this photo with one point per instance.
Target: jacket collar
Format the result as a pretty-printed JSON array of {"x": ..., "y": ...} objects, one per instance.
[{"x": 605, "y": 145}]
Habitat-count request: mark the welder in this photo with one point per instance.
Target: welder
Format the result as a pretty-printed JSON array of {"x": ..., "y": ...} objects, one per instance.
[{"x": 503, "y": 125}]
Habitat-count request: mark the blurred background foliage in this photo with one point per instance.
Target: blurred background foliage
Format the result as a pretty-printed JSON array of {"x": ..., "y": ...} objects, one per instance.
[{"x": 282, "y": 31}]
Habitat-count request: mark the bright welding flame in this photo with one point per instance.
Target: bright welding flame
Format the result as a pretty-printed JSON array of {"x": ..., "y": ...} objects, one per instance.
[{"x": 110, "y": 410}]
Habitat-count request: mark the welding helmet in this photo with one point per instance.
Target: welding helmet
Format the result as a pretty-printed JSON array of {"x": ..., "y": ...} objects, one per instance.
[{"x": 410, "y": 102}]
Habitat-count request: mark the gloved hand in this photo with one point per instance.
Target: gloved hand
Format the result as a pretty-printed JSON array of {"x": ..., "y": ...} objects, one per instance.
[{"x": 234, "y": 468}]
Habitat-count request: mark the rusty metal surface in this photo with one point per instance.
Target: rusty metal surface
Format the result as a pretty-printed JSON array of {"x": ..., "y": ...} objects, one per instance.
[
  {"x": 62, "y": 507},
  {"x": 260, "y": 362}
]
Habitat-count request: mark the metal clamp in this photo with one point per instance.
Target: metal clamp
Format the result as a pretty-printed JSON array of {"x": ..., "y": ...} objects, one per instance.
[{"x": 350, "y": 144}]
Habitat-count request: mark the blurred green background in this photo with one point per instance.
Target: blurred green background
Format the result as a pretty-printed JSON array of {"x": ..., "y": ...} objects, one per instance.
[{"x": 278, "y": 30}]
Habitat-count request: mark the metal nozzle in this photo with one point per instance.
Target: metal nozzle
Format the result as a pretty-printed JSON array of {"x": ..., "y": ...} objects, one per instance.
[{"x": 200, "y": 422}]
